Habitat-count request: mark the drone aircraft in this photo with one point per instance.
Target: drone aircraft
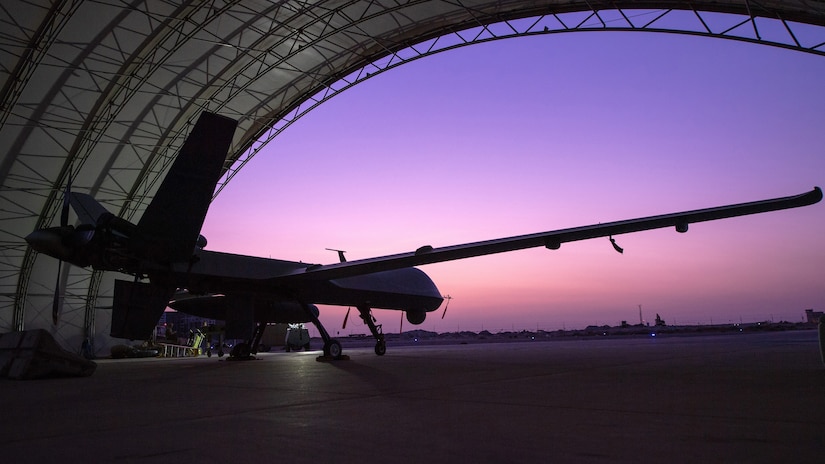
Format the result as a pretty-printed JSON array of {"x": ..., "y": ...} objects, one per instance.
[{"x": 165, "y": 253}]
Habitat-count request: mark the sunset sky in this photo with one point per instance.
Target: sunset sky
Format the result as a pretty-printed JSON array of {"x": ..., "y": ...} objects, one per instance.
[{"x": 542, "y": 133}]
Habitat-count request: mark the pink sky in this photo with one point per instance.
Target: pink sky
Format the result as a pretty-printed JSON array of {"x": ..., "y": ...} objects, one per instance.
[{"x": 534, "y": 134}]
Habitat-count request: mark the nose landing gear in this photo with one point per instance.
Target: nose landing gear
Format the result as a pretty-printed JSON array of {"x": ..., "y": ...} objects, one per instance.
[
  {"x": 332, "y": 347},
  {"x": 376, "y": 330}
]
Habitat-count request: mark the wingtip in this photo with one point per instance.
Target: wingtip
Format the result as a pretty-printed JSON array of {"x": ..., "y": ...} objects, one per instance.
[{"x": 816, "y": 194}]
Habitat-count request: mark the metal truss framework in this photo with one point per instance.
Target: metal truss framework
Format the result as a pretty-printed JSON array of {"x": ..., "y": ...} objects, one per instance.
[
  {"x": 105, "y": 93},
  {"x": 776, "y": 33}
]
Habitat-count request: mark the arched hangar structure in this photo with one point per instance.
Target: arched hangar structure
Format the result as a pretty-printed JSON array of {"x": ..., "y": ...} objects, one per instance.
[{"x": 105, "y": 92}]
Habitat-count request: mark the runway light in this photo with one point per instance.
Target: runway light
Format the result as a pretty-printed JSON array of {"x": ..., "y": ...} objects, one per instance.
[{"x": 653, "y": 335}]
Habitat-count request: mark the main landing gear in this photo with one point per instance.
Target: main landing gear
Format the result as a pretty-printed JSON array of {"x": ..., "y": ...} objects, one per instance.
[
  {"x": 332, "y": 347},
  {"x": 244, "y": 351}
]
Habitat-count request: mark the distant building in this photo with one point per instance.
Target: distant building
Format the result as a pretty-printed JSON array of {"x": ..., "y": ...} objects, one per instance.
[{"x": 814, "y": 316}]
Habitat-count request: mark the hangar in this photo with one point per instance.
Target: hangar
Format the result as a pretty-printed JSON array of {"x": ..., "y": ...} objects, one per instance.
[{"x": 106, "y": 92}]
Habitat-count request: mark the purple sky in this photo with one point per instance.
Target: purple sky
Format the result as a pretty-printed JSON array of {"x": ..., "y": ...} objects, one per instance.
[{"x": 533, "y": 134}]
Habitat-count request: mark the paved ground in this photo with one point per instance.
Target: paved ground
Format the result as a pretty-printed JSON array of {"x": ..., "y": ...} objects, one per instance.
[{"x": 734, "y": 398}]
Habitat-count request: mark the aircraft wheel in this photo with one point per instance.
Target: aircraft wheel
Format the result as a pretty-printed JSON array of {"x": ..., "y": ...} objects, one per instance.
[
  {"x": 241, "y": 350},
  {"x": 380, "y": 348},
  {"x": 332, "y": 348}
]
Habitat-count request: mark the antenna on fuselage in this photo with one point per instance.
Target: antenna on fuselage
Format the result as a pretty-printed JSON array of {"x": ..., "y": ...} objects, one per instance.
[
  {"x": 615, "y": 245},
  {"x": 341, "y": 256}
]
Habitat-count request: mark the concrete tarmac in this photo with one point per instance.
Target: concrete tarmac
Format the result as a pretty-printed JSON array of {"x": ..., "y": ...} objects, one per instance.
[{"x": 723, "y": 398}]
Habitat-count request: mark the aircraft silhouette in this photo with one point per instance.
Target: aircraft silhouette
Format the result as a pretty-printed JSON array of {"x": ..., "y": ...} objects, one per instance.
[{"x": 166, "y": 247}]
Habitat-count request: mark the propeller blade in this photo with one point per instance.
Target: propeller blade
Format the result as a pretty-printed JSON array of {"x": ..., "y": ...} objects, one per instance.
[
  {"x": 401, "y": 326},
  {"x": 64, "y": 213},
  {"x": 448, "y": 298},
  {"x": 345, "y": 319},
  {"x": 56, "y": 301}
]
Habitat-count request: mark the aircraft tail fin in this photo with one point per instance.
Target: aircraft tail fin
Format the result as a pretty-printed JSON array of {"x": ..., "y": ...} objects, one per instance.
[
  {"x": 87, "y": 208},
  {"x": 137, "y": 309},
  {"x": 171, "y": 224}
]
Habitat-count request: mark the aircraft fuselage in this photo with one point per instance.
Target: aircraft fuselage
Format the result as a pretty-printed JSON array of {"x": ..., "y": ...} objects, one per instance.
[{"x": 407, "y": 289}]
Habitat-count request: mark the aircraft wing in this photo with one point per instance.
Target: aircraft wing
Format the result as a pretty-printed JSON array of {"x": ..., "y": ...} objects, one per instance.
[{"x": 551, "y": 239}]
